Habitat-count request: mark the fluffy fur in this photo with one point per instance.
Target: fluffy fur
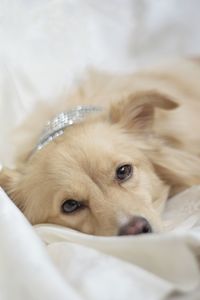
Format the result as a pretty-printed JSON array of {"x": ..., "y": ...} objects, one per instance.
[{"x": 151, "y": 119}]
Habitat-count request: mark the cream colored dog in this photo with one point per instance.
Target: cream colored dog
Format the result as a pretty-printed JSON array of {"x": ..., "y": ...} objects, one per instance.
[{"x": 112, "y": 172}]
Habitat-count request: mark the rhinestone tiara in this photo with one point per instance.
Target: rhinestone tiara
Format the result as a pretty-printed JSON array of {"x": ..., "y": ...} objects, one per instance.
[{"x": 56, "y": 126}]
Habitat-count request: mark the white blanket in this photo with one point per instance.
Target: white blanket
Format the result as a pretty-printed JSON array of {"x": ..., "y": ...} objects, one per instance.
[
  {"x": 88, "y": 267},
  {"x": 44, "y": 47}
]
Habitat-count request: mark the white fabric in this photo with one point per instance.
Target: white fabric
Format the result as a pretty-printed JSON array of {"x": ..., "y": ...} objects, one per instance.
[
  {"x": 150, "y": 267},
  {"x": 44, "y": 47},
  {"x": 26, "y": 272}
]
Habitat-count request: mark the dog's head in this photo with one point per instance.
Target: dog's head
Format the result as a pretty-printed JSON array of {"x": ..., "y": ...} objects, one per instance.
[{"x": 98, "y": 177}]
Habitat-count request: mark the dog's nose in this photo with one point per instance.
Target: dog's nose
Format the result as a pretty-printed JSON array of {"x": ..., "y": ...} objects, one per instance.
[{"x": 137, "y": 225}]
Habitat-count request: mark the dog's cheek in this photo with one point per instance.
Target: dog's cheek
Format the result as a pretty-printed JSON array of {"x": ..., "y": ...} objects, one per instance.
[{"x": 159, "y": 203}]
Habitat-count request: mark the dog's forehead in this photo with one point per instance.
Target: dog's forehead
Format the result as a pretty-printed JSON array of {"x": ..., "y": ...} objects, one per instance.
[
  {"x": 96, "y": 140},
  {"x": 90, "y": 137},
  {"x": 95, "y": 147},
  {"x": 85, "y": 151}
]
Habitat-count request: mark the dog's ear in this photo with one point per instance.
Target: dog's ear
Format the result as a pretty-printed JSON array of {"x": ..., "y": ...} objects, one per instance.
[
  {"x": 169, "y": 165},
  {"x": 9, "y": 180},
  {"x": 136, "y": 111}
]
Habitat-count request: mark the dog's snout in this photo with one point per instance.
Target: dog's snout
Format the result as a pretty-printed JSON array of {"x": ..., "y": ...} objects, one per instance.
[{"x": 137, "y": 225}]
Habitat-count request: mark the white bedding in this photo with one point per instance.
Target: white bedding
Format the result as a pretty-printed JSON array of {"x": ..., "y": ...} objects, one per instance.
[
  {"x": 44, "y": 47},
  {"x": 87, "y": 267}
]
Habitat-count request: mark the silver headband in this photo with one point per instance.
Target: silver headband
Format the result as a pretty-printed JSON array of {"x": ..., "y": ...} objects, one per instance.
[{"x": 56, "y": 126}]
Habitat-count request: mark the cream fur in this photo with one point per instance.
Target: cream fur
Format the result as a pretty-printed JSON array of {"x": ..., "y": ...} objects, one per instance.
[{"x": 150, "y": 119}]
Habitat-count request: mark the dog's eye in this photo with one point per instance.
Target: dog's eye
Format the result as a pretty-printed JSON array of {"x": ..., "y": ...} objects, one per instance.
[
  {"x": 71, "y": 205},
  {"x": 124, "y": 172}
]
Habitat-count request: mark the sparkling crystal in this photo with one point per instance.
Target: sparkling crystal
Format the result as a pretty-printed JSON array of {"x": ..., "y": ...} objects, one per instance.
[{"x": 56, "y": 126}]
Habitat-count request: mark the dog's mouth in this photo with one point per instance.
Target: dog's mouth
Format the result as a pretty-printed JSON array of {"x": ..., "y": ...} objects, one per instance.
[{"x": 137, "y": 225}]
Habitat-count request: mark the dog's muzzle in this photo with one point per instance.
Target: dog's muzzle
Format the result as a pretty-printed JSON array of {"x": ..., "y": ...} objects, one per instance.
[{"x": 137, "y": 225}]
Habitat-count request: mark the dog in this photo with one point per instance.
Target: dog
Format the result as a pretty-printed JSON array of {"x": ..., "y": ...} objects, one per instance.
[{"x": 133, "y": 144}]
